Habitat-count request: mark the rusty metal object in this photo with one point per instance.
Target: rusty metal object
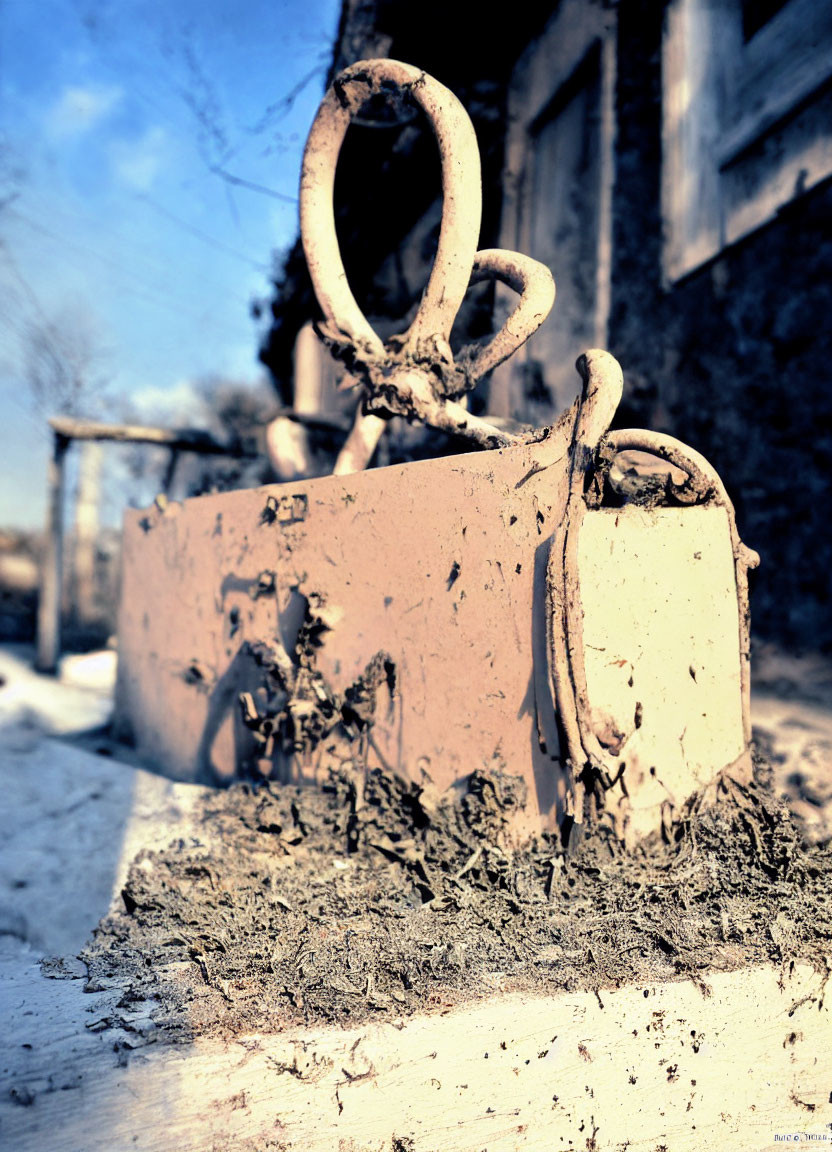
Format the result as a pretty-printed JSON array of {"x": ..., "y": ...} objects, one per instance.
[
  {"x": 414, "y": 375},
  {"x": 438, "y": 564},
  {"x": 532, "y": 608},
  {"x": 448, "y": 567}
]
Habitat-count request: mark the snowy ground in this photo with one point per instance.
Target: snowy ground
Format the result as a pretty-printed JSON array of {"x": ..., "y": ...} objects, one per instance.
[
  {"x": 74, "y": 815},
  {"x": 71, "y": 819},
  {"x": 791, "y": 711}
]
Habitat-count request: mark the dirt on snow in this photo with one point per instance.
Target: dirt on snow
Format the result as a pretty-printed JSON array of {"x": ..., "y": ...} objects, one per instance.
[{"x": 378, "y": 897}]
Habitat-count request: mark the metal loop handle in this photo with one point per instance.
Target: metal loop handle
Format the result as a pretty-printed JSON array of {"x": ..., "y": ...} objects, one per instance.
[
  {"x": 425, "y": 345},
  {"x": 702, "y": 480},
  {"x": 461, "y": 190}
]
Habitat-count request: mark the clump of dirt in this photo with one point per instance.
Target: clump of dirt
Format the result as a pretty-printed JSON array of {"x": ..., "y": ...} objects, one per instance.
[{"x": 376, "y": 896}]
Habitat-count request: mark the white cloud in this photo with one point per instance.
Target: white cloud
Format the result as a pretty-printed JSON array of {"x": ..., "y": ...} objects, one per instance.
[
  {"x": 180, "y": 404},
  {"x": 80, "y": 108},
  {"x": 137, "y": 163}
]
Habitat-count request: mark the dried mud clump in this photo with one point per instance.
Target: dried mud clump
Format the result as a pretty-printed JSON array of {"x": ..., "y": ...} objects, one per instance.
[{"x": 379, "y": 897}]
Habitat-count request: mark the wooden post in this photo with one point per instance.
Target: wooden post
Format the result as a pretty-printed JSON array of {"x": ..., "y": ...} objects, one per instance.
[
  {"x": 49, "y": 604},
  {"x": 66, "y": 429},
  {"x": 86, "y": 533}
]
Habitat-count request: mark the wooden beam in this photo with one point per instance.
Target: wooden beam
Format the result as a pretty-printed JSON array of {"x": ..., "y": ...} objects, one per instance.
[{"x": 178, "y": 439}]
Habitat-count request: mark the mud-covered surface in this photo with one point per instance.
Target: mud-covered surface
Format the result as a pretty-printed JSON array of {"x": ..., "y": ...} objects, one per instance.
[{"x": 380, "y": 898}]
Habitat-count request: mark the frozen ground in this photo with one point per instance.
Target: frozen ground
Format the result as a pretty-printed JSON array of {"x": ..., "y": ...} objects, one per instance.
[{"x": 73, "y": 814}]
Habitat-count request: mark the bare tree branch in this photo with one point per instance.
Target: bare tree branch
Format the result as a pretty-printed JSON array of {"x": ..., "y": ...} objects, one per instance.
[
  {"x": 63, "y": 363},
  {"x": 252, "y": 186},
  {"x": 282, "y": 107},
  {"x": 213, "y": 140}
]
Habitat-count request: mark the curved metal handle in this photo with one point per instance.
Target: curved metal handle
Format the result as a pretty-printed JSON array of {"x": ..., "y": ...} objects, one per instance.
[
  {"x": 702, "y": 480},
  {"x": 536, "y": 286},
  {"x": 461, "y": 190}
]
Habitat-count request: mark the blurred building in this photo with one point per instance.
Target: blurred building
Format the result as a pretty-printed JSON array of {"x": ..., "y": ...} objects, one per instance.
[{"x": 670, "y": 161}]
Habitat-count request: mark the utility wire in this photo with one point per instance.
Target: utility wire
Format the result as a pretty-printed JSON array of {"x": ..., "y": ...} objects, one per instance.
[
  {"x": 154, "y": 296},
  {"x": 138, "y": 255},
  {"x": 218, "y": 245}
]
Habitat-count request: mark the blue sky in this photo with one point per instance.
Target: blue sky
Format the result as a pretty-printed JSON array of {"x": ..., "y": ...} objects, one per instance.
[{"x": 130, "y": 133}]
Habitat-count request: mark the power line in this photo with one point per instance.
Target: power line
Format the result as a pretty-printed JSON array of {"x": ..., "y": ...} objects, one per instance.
[
  {"x": 218, "y": 245},
  {"x": 154, "y": 296},
  {"x": 138, "y": 254}
]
